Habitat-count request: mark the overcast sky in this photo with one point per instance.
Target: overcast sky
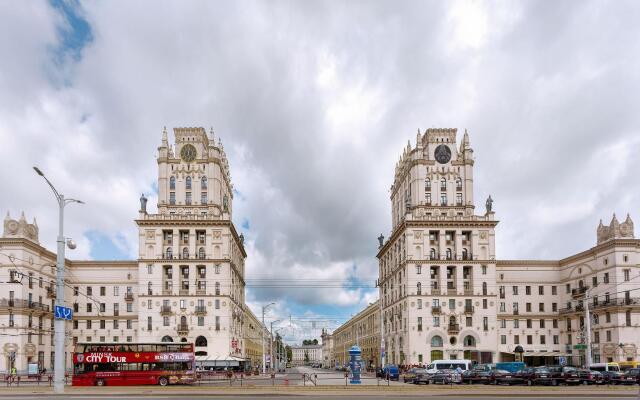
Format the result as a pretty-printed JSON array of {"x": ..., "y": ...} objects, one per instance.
[{"x": 314, "y": 102}]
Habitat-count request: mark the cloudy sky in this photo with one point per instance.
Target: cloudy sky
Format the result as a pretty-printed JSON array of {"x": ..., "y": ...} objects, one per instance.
[{"x": 314, "y": 102}]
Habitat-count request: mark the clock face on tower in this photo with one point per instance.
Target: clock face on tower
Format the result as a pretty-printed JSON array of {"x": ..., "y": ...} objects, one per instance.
[
  {"x": 188, "y": 153},
  {"x": 442, "y": 154}
]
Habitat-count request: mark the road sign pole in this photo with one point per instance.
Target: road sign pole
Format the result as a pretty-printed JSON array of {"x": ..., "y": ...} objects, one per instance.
[{"x": 59, "y": 367}]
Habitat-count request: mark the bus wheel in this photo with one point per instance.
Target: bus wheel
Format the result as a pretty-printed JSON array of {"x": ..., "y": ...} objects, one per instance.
[
  {"x": 100, "y": 382},
  {"x": 163, "y": 381}
]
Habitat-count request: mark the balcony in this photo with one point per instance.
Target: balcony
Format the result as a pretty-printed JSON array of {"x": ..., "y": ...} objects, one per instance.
[
  {"x": 201, "y": 292},
  {"x": 201, "y": 310},
  {"x": 516, "y": 312},
  {"x": 183, "y": 292},
  {"x": 468, "y": 291},
  {"x": 51, "y": 293},
  {"x": 167, "y": 292},
  {"x": 436, "y": 309},
  {"x": 183, "y": 329},
  {"x": 20, "y": 303},
  {"x": 579, "y": 292},
  {"x": 468, "y": 309},
  {"x": 128, "y": 297},
  {"x": 453, "y": 329},
  {"x": 165, "y": 311}
]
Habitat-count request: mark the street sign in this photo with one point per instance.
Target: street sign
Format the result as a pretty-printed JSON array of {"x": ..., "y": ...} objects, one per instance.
[
  {"x": 562, "y": 360},
  {"x": 62, "y": 312},
  {"x": 580, "y": 346}
]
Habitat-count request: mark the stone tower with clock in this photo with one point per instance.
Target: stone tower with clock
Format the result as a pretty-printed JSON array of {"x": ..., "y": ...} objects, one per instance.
[
  {"x": 437, "y": 269},
  {"x": 191, "y": 261}
]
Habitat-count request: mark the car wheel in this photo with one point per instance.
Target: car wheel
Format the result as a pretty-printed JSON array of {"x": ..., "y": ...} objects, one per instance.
[
  {"x": 100, "y": 382},
  {"x": 529, "y": 383},
  {"x": 430, "y": 381},
  {"x": 554, "y": 383},
  {"x": 163, "y": 381}
]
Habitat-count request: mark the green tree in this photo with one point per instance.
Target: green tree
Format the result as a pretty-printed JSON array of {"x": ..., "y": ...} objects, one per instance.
[{"x": 315, "y": 341}]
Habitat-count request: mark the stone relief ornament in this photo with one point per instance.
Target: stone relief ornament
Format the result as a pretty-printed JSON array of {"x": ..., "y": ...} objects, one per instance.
[
  {"x": 418, "y": 234},
  {"x": 483, "y": 235}
]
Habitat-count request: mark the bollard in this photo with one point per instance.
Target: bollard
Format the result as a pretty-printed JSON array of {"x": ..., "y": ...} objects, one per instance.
[
  {"x": 286, "y": 381},
  {"x": 304, "y": 380},
  {"x": 241, "y": 377},
  {"x": 273, "y": 381}
]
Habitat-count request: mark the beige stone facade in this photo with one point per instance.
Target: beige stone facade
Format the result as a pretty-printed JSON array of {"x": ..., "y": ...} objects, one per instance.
[
  {"x": 306, "y": 354},
  {"x": 445, "y": 295},
  {"x": 187, "y": 284},
  {"x": 363, "y": 330}
]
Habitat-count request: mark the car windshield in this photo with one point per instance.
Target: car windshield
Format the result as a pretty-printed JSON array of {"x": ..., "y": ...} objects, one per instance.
[{"x": 542, "y": 369}]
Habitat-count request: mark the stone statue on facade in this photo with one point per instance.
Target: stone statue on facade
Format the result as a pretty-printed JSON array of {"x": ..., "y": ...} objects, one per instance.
[
  {"x": 143, "y": 203},
  {"x": 225, "y": 204},
  {"x": 489, "y": 204},
  {"x": 380, "y": 240},
  {"x": 241, "y": 238}
]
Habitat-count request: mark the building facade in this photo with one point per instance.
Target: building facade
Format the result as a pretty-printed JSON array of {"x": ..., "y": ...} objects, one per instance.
[
  {"x": 187, "y": 285},
  {"x": 306, "y": 354},
  {"x": 328, "y": 359},
  {"x": 445, "y": 295},
  {"x": 362, "y": 330}
]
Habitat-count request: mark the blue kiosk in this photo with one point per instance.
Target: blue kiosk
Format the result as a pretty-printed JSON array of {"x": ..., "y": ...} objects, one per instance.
[{"x": 355, "y": 364}]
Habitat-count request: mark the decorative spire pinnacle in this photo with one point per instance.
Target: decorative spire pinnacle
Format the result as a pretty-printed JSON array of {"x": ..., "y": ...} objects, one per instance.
[
  {"x": 628, "y": 220},
  {"x": 165, "y": 140},
  {"x": 22, "y": 218},
  {"x": 35, "y": 223},
  {"x": 8, "y": 217}
]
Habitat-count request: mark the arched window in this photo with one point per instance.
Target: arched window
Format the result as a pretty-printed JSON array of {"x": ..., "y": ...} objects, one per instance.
[
  {"x": 188, "y": 183},
  {"x": 432, "y": 254},
  {"x": 469, "y": 341},
  {"x": 443, "y": 184},
  {"x": 452, "y": 320},
  {"x": 166, "y": 339},
  {"x": 172, "y": 183},
  {"x": 459, "y": 184},
  {"x": 185, "y": 253},
  {"x": 201, "y": 254},
  {"x": 183, "y": 320},
  {"x": 419, "y": 288},
  {"x": 201, "y": 341},
  {"x": 448, "y": 254},
  {"x": 427, "y": 184},
  {"x": 183, "y": 340},
  {"x": 465, "y": 254},
  {"x": 436, "y": 341},
  {"x": 203, "y": 183}
]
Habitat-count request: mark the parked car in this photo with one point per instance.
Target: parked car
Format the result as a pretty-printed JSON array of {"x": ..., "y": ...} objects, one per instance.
[
  {"x": 411, "y": 374},
  {"x": 445, "y": 376},
  {"x": 422, "y": 376},
  {"x": 563, "y": 374},
  {"x": 534, "y": 376},
  {"x": 476, "y": 375},
  {"x": 633, "y": 372},
  {"x": 588, "y": 377},
  {"x": 504, "y": 377},
  {"x": 611, "y": 377},
  {"x": 391, "y": 372}
]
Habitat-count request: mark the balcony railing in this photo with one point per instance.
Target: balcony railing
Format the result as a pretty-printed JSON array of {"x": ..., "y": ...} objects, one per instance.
[
  {"x": 183, "y": 292},
  {"x": 201, "y": 292},
  {"x": 167, "y": 292},
  {"x": 436, "y": 309},
  {"x": 51, "y": 294},
  {"x": 516, "y": 312},
  {"x": 165, "y": 310},
  {"x": 183, "y": 329},
  {"x": 128, "y": 297},
  {"x": 21, "y": 303},
  {"x": 468, "y": 309},
  {"x": 201, "y": 310},
  {"x": 579, "y": 292},
  {"x": 435, "y": 291},
  {"x": 453, "y": 328}
]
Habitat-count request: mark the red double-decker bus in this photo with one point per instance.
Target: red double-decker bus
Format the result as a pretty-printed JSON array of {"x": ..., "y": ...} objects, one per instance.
[{"x": 119, "y": 364}]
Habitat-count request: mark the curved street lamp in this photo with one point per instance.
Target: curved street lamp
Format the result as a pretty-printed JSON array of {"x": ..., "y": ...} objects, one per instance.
[{"x": 59, "y": 367}]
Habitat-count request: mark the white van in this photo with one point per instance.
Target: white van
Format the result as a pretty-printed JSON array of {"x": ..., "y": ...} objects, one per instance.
[
  {"x": 601, "y": 367},
  {"x": 449, "y": 364}
]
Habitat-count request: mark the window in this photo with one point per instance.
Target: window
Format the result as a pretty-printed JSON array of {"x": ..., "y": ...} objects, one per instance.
[
  {"x": 541, "y": 290},
  {"x": 515, "y": 290},
  {"x": 542, "y": 324},
  {"x": 183, "y": 304},
  {"x": 217, "y": 323},
  {"x": 594, "y": 281},
  {"x": 541, "y": 307},
  {"x": 568, "y": 288},
  {"x": 554, "y": 290},
  {"x": 452, "y": 304},
  {"x": 443, "y": 199},
  {"x": 427, "y": 184},
  {"x": 529, "y": 339},
  {"x": 115, "y": 324},
  {"x": 75, "y": 290},
  {"x": 555, "y": 324},
  {"x": 528, "y": 307},
  {"x": 458, "y": 184},
  {"x": 484, "y": 270},
  {"x": 89, "y": 291},
  {"x": 203, "y": 198},
  {"x": 165, "y": 321},
  {"x": 469, "y": 321},
  {"x": 89, "y": 307},
  {"x": 503, "y": 339},
  {"x": 419, "y": 324},
  {"x": 203, "y": 183},
  {"x": 149, "y": 324},
  {"x": 116, "y": 290},
  {"x": 187, "y": 183},
  {"x": 436, "y": 321},
  {"x": 172, "y": 198},
  {"x": 76, "y": 307},
  {"x": 628, "y": 318},
  {"x": 188, "y": 198},
  {"x": 419, "y": 302},
  {"x": 103, "y": 324},
  {"x": 626, "y": 272},
  {"x": 485, "y": 323},
  {"x": 418, "y": 269},
  {"x": 200, "y": 321},
  {"x": 149, "y": 305},
  {"x": 608, "y": 333},
  {"x": 88, "y": 324},
  {"x": 503, "y": 323},
  {"x": 503, "y": 306},
  {"x": 459, "y": 199},
  {"x": 129, "y": 324},
  {"x": 516, "y": 339},
  {"x": 436, "y": 341},
  {"x": 606, "y": 277},
  {"x": 529, "y": 323},
  {"x": 484, "y": 304},
  {"x": 484, "y": 289},
  {"x": 172, "y": 183},
  {"x": 427, "y": 198},
  {"x": 607, "y": 317},
  {"x": 419, "y": 288},
  {"x": 543, "y": 339},
  {"x": 527, "y": 290},
  {"x": 554, "y": 307}
]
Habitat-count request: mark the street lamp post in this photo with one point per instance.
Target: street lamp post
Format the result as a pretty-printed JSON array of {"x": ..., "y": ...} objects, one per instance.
[
  {"x": 271, "y": 345},
  {"x": 59, "y": 367},
  {"x": 279, "y": 350},
  {"x": 264, "y": 356}
]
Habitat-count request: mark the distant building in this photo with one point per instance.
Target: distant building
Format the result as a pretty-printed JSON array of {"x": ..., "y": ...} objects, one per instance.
[
  {"x": 328, "y": 359},
  {"x": 362, "y": 329},
  {"x": 306, "y": 354}
]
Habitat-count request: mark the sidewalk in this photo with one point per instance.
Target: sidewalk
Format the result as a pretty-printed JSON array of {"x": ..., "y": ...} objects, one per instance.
[{"x": 382, "y": 391}]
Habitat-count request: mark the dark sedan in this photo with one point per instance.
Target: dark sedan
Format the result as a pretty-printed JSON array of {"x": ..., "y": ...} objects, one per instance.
[{"x": 476, "y": 376}]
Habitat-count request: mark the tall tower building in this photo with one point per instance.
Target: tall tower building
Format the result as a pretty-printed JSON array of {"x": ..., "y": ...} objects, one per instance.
[
  {"x": 437, "y": 270},
  {"x": 191, "y": 262}
]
